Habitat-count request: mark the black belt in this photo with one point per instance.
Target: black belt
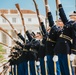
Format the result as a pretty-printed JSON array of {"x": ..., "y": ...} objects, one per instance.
[
  {"x": 73, "y": 50},
  {"x": 66, "y": 37},
  {"x": 33, "y": 50},
  {"x": 48, "y": 39}
]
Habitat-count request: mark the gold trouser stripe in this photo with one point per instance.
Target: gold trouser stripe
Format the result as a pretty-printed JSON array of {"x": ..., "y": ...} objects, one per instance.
[
  {"x": 69, "y": 64},
  {"x": 36, "y": 68},
  {"x": 45, "y": 65},
  {"x": 16, "y": 70},
  {"x": 55, "y": 71},
  {"x": 12, "y": 70},
  {"x": 28, "y": 68}
]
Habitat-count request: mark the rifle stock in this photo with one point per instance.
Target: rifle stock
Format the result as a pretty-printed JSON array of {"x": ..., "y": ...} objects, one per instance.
[
  {"x": 57, "y": 2},
  {"x": 5, "y": 32},
  {"x": 57, "y": 10},
  {"x": 46, "y": 9},
  {"x": 5, "y": 45},
  {"x": 17, "y": 42},
  {"x": 18, "y": 34},
  {"x": 38, "y": 15},
  {"x": 4, "y": 64},
  {"x": 37, "y": 11},
  {"x": 18, "y": 7},
  {"x": 9, "y": 23}
]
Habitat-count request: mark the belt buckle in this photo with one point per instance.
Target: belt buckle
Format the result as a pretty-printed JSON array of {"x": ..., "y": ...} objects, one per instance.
[
  {"x": 71, "y": 41},
  {"x": 48, "y": 39}
]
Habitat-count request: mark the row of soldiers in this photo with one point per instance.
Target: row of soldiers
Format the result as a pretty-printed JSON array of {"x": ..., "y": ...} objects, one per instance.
[{"x": 49, "y": 52}]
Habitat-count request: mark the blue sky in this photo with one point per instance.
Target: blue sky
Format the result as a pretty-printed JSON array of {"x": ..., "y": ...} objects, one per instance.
[{"x": 69, "y": 5}]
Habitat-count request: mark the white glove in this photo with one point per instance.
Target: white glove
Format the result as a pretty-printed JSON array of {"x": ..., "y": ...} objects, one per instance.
[
  {"x": 55, "y": 58},
  {"x": 15, "y": 29},
  {"x": 38, "y": 63},
  {"x": 41, "y": 18},
  {"x": 45, "y": 58},
  {"x": 72, "y": 57},
  {"x": 48, "y": 7},
  {"x": 59, "y": 2},
  {"x": 14, "y": 39}
]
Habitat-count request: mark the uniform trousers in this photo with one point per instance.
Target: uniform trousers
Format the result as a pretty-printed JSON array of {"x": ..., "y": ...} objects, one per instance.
[
  {"x": 63, "y": 61},
  {"x": 50, "y": 65}
]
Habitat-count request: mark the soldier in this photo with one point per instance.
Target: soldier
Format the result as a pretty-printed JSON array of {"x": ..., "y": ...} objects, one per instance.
[
  {"x": 31, "y": 55},
  {"x": 39, "y": 47},
  {"x": 21, "y": 61},
  {"x": 64, "y": 43},
  {"x": 73, "y": 47},
  {"x": 41, "y": 53},
  {"x": 49, "y": 39},
  {"x": 13, "y": 61}
]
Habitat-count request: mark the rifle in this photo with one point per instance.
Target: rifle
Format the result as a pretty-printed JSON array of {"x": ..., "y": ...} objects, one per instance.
[
  {"x": 17, "y": 42},
  {"x": 46, "y": 9},
  {"x": 38, "y": 15},
  {"x": 9, "y": 23},
  {"x": 37, "y": 11},
  {"x": 18, "y": 34},
  {"x": 5, "y": 45},
  {"x": 4, "y": 64},
  {"x": 4, "y": 71},
  {"x": 23, "y": 23},
  {"x": 18, "y": 7},
  {"x": 57, "y": 10}
]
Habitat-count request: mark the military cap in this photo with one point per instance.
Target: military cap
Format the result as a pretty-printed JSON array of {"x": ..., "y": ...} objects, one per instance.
[{"x": 73, "y": 13}]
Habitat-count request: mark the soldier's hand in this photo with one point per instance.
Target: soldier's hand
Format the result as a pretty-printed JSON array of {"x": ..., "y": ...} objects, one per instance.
[
  {"x": 72, "y": 57},
  {"x": 48, "y": 8},
  {"x": 55, "y": 58}
]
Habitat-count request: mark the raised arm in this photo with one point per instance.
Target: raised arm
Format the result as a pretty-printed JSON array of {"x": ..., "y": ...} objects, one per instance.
[
  {"x": 50, "y": 19},
  {"x": 29, "y": 36},
  {"x": 42, "y": 27},
  {"x": 61, "y": 12},
  {"x": 48, "y": 13}
]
